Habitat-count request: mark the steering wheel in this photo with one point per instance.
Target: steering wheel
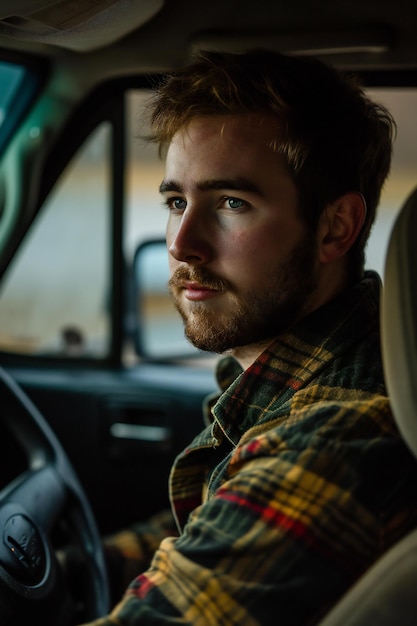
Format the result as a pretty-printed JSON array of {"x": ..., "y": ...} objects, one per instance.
[{"x": 43, "y": 512}]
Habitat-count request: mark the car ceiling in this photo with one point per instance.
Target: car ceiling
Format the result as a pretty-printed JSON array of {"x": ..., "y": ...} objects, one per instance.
[{"x": 158, "y": 34}]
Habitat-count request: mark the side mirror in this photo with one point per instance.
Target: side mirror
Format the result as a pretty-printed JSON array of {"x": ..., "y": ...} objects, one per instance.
[{"x": 159, "y": 332}]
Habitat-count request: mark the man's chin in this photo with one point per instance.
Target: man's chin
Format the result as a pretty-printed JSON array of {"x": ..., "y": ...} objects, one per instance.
[
  {"x": 206, "y": 332},
  {"x": 210, "y": 335}
]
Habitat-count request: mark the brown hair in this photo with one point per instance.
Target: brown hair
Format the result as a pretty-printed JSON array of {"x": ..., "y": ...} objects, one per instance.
[{"x": 333, "y": 138}]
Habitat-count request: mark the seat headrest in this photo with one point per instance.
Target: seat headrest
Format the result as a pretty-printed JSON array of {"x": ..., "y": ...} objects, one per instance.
[{"x": 399, "y": 321}]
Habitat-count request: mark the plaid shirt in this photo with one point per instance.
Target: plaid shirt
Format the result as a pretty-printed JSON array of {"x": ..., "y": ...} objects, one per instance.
[{"x": 300, "y": 483}]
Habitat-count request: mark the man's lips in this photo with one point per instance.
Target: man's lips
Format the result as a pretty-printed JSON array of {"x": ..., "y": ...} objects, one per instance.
[{"x": 197, "y": 292}]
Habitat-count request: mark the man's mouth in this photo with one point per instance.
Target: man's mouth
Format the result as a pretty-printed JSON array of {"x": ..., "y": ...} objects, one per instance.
[
  {"x": 198, "y": 292},
  {"x": 196, "y": 285}
]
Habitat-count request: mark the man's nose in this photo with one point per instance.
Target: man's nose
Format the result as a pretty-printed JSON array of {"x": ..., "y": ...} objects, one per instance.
[{"x": 189, "y": 239}]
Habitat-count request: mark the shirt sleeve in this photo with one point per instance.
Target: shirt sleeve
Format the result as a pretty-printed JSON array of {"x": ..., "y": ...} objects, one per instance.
[{"x": 130, "y": 551}]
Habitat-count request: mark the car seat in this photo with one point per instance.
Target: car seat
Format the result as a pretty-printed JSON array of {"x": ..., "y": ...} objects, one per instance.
[{"x": 387, "y": 594}]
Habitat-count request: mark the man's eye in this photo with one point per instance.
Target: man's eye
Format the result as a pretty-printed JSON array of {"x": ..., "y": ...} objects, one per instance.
[
  {"x": 234, "y": 203},
  {"x": 178, "y": 204}
]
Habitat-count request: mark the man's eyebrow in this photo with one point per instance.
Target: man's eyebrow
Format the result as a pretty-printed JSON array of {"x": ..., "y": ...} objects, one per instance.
[
  {"x": 236, "y": 184},
  {"x": 170, "y": 185}
]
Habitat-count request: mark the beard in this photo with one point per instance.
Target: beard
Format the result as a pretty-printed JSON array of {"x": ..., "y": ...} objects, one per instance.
[{"x": 254, "y": 316}]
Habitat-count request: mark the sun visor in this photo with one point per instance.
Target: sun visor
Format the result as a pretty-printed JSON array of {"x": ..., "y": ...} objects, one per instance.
[{"x": 74, "y": 24}]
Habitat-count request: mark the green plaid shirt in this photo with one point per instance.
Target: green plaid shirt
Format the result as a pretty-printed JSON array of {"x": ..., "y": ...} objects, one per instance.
[{"x": 299, "y": 484}]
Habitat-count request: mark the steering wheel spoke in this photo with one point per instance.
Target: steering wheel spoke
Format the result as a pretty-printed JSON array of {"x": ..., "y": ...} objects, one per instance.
[{"x": 40, "y": 493}]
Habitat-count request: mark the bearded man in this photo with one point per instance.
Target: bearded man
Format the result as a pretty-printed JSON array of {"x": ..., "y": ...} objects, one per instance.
[{"x": 274, "y": 168}]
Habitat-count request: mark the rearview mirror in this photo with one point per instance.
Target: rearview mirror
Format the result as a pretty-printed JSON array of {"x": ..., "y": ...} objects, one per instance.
[{"x": 159, "y": 329}]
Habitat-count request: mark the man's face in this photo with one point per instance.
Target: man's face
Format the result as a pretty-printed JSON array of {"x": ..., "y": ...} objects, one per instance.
[{"x": 243, "y": 266}]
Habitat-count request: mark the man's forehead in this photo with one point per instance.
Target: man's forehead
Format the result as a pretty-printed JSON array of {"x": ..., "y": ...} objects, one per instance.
[
  {"x": 225, "y": 152},
  {"x": 265, "y": 127}
]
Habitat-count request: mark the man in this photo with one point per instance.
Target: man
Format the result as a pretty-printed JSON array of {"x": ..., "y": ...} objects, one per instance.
[{"x": 274, "y": 168}]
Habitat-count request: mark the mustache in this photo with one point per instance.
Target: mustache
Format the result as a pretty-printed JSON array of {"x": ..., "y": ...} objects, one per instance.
[{"x": 198, "y": 275}]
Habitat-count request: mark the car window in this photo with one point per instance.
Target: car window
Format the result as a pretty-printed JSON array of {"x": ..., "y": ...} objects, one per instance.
[
  {"x": 402, "y": 103},
  {"x": 17, "y": 88},
  {"x": 160, "y": 328},
  {"x": 56, "y": 294}
]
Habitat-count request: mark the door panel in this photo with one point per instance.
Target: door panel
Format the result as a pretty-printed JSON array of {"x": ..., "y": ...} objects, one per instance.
[{"x": 125, "y": 473}]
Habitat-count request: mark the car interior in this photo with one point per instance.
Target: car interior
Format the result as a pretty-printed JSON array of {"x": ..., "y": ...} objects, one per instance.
[{"x": 99, "y": 389}]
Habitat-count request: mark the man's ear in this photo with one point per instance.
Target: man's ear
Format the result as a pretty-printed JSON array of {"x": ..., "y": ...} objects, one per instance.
[{"x": 339, "y": 226}]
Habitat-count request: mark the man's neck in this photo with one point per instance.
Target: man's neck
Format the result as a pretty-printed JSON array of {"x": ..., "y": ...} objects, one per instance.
[{"x": 246, "y": 355}]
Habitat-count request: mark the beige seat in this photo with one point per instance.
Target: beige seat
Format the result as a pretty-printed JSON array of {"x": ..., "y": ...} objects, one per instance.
[{"x": 387, "y": 593}]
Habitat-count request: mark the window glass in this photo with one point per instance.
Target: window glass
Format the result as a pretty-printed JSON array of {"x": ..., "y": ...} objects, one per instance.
[
  {"x": 145, "y": 216},
  {"x": 55, "y": 296},
  {"x": 162, "y": 329},
  {"x": 11, "y": 77},
  {"x": 403, "y": 177},
  {"x": 17, "y": 86}
]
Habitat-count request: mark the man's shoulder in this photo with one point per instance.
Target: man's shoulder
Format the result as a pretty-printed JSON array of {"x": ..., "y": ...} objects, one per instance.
[{"x": 318, "y": 417}]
